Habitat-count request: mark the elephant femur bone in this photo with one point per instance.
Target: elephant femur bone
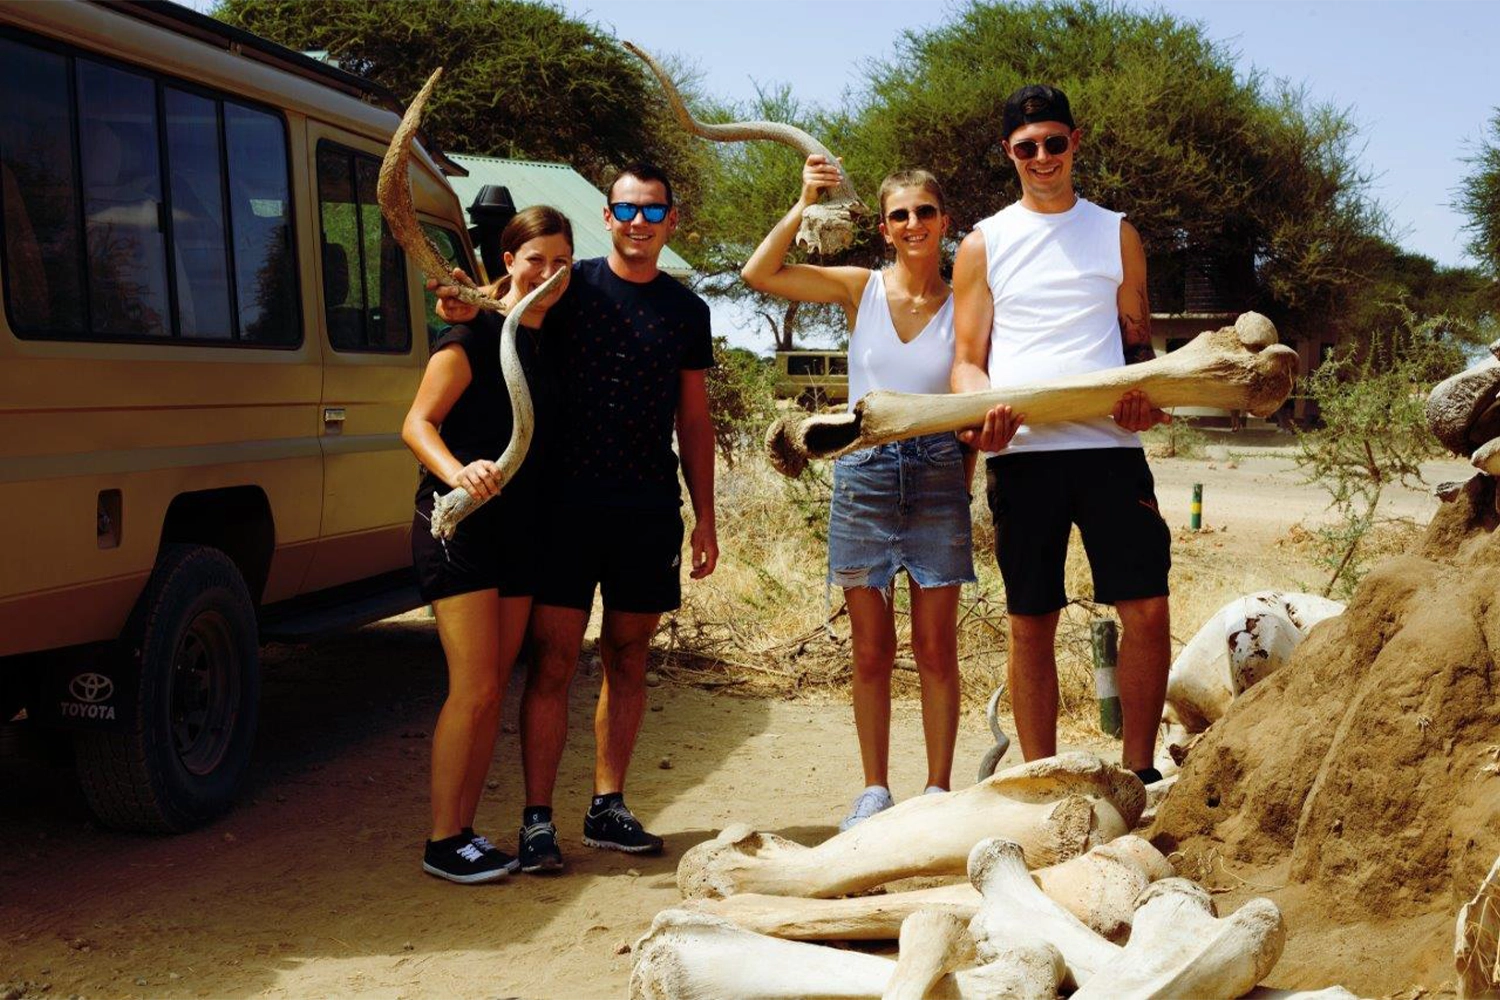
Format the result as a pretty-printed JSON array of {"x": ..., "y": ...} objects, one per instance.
[{"x": 1239, "y": 367}]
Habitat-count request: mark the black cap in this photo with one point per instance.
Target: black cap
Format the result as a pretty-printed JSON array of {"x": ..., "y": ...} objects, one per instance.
[{"x": 1035, "y": 102}]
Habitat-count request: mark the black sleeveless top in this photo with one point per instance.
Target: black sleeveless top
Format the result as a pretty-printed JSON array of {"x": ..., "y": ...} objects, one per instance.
[{"x": 479, "y": 424}]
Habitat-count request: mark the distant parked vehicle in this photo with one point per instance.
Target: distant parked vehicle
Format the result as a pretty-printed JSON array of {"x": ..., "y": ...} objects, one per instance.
[
  {"x": 208, "y": 345},
  {"x": 815, "y": 379}
]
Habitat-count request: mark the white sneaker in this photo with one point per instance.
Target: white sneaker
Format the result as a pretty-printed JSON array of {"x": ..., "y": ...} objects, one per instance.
[{"x": 870, "y": 801}]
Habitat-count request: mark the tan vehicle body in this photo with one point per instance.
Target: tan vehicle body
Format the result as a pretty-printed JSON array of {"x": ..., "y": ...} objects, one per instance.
[
  {"x": 813, "y": 378},
  {"x": 287, "y": 458},
  {"x": 155, "y": 422}
]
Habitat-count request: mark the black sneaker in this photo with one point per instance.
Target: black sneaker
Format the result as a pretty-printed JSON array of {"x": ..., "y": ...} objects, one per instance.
[
  {"x": 613, "y": 827},
  {"x": 458, "y": 860},
  {"x": 483, "y": 843},
  {"x": 539, "y": 851}
]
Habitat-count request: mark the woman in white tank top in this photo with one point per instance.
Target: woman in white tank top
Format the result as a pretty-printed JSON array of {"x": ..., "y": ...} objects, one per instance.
[{"x": 902, "y": 506}]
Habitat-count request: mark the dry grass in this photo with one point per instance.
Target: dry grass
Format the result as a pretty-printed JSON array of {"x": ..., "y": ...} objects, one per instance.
[{"x": 765, "y": 624}]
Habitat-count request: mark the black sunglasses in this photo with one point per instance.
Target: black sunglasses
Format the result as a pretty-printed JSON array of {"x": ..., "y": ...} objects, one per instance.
[
  {"x": 924, "y": 213},
  {"x": 624, "y": 211},
  {"x": 1055, "y": 145}
]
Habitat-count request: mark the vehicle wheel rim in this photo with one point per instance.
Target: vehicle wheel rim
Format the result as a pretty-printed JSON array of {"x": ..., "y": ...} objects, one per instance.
[{"x": 205, "y": 690}]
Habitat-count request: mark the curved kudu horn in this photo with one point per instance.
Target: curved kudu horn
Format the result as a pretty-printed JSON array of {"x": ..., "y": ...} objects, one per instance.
[
  {"x": 394, "y": 195},
  {"x": 828, "y": 226}
]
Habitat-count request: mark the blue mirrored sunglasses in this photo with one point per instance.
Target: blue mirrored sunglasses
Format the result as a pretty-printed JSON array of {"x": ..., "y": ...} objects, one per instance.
[{"x": 624, "y": 211}]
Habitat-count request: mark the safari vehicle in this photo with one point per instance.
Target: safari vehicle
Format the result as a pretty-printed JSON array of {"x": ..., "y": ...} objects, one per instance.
[
  {"x": 814, "y": 379},
  {"x": 209, "y": 340}
]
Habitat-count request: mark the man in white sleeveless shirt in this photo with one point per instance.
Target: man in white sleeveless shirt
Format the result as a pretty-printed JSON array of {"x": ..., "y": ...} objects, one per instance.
[{"x": 1054, "y": 285}]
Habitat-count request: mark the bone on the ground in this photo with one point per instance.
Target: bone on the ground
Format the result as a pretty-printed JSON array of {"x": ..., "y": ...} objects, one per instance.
[
  {"x": 1179, "y": 948},
  {"x": 1239, "y": 367},
  {"x": 695, "y": 956},
  {"x": 827, "y": 227},
  {"x": 1476, "y": 948},
  {"x": 1099, "y": 888},
  {"x": 1240, "y": 645},
  {"x": 1056, "y": 808},
  {"x": 393, "y": 191},
  {"x": 1016, "y": 910},
  {"x": 1486, "y": 457},
  {"x": 1156, "y": 794},
  {"x": 1462, "y": 411},
  {"x": 933, "y": 943}
]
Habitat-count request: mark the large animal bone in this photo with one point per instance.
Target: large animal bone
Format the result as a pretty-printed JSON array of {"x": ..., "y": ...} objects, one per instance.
[
  {"x": 1179, "y": 948},
  {"x": 1476, "y": 949},
  {"x": 1462, "y": 410},
  {"x": 1056, "y": 808},
  {"x": 1016, "y": 910},
  {"x": 828, "y": 226},
  {"x": 394, "y": 194},
  {"x": 695, "y": 956},
  {"x": 1241, "y": 644},
  {"x": 933, "y": 943},
  {"x": 1239, "y": 367},
  {"x": 1099, "y": 888}
]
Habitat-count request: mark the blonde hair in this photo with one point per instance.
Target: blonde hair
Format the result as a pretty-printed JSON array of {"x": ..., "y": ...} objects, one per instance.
[{"x": 923, "y": 179}]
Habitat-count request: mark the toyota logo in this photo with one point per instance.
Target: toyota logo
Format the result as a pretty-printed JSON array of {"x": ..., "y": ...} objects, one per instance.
[{"x": 91, "y": 688}]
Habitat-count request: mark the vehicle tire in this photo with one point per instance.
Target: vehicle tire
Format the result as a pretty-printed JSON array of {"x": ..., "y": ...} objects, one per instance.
[{"x": 178, "y": 756}]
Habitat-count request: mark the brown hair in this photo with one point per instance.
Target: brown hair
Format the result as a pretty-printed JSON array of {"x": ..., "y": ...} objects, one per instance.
[
  {"x": 530, "y": 223},
  {"x": 526, "y": 225},
  {"x": 912, "y": 178}
]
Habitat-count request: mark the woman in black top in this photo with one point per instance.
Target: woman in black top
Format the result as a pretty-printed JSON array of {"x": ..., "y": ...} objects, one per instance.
[{"x": 480, "y": 581}]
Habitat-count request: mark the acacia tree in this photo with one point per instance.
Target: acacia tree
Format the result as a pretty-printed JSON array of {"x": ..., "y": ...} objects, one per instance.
[
  {"x": 1234, "y": 169},
  {"x": 1479, "y": 198},
  {"x": 521, "y": 80}
]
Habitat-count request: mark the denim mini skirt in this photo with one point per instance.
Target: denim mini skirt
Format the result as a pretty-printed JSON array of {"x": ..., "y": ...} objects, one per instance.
[{"x": 903, "y": 505}]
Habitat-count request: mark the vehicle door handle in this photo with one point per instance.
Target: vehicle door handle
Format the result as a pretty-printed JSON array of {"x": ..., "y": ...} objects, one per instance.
[{"x": 333, "y": 414}]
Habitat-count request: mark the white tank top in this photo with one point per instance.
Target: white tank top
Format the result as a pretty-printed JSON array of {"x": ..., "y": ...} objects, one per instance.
[
  {"x": 1054, "y": 278},
  {"x": 878, "y": 359}
]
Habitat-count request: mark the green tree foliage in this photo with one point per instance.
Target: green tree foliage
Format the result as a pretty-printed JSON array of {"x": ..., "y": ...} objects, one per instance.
[
  {"x": 740, "y": 399},
  {"x": 1372, "y": 405},
  {"x": 1479, "y": 199},
  {"x": 1239, "y": 170},
  {"x": 521, "y": 80}
]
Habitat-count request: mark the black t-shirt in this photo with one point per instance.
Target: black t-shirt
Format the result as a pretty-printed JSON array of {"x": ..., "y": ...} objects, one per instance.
[
  {"x": 479, "y": 424},
  {"x": 623, "y": 346}
]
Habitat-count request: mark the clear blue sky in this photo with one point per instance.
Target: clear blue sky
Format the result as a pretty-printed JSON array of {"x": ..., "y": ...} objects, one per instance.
[{"x": 1418, "y": 77}]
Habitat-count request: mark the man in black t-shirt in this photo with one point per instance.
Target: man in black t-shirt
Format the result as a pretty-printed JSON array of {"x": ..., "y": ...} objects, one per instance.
[{"x": 631, "y": 346}]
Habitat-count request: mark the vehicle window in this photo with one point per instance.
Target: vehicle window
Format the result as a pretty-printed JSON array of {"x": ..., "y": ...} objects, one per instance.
[
  {"x": 452, "y": 248},
  {"x": 804, "y": 364},
  {"x": 139, "y": 209},
  {"x": 39, "y": 191},
  {"x": 200, "y": 250},
  {"x": 122, "y": 202},
  {"x": 838, "y": 364},
  {"x": 260, "y": 212},
  {"x": 364, "y": 271}
]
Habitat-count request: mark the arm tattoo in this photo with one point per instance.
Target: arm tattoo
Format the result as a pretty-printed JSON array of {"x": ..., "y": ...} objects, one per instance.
[{"x": 1135, "y": 333}]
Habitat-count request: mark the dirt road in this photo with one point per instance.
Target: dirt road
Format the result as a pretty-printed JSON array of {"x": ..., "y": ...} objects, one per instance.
[{"x": 312, "y": 886}]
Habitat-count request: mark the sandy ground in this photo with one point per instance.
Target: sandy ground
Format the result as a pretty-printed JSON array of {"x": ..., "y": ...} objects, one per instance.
[{"x": 312, "y": 886}]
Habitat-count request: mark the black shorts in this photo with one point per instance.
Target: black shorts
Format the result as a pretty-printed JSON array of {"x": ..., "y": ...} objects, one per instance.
[
  {"x": 633, "y": 556},
  {"x": 495, "y": 548},
  {"x": 1036, "y": 497}
]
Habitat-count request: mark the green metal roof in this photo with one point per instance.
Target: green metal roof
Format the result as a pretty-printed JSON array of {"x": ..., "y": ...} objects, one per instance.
[{"x": 556, "y": 184}]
